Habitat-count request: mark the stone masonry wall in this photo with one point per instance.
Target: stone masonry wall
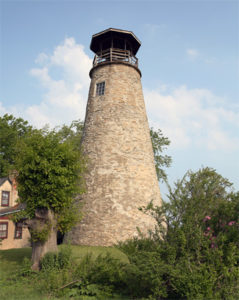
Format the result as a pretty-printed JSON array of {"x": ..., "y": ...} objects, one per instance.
[{"x": 121, "y": 174}]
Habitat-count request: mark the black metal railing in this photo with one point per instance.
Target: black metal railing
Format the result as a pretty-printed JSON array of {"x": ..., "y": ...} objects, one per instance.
[{"x": 112, "y": 54}]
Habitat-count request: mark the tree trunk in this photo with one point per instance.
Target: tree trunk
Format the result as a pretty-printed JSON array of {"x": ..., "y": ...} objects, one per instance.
[{"x": 43, "y": 218}]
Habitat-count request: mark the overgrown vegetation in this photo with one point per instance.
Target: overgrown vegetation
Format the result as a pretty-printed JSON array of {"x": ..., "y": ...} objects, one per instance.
[
  {"x": 60, "y": 276},
  {"x": 50, "y": 176},
  {"x": 11, "y": 131},
  {"x": 192, "y": 254},
  {"x": 49, "y": 167}
]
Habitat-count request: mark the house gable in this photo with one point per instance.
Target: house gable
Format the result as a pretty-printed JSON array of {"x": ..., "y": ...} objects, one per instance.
[
  {"x": 8, "y": 193},
  {"x": 12, "y": 235}
]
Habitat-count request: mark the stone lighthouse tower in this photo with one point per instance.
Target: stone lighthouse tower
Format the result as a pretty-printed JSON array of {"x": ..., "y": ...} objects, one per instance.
[{"x": 121, "y": 174}]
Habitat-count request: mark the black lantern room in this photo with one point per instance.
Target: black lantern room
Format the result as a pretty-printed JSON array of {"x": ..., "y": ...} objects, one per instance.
[{"x": 112, "y": 45}]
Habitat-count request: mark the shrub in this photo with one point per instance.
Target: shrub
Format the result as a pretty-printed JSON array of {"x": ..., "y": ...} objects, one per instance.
[
  {"x": 56, "y": 260},
  {"x": 103, "y": 275},
  {"x": 196, "y": 256}
]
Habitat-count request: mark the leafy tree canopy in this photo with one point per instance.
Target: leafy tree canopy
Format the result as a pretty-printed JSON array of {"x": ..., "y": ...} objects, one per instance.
[
  {"x": 11, "y": 130},
  {"x": 72, "y": 134},
  {"x": 160, "y": 143},
  {"x": 49, "y": 175}
]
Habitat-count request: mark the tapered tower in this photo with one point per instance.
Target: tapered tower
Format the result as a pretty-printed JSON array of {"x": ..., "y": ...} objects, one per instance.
[{"x": 121, "y": 174}]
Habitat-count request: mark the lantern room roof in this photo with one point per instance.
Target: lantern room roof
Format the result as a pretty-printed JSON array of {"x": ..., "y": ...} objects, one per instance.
[{"x": 114, "y": 33}]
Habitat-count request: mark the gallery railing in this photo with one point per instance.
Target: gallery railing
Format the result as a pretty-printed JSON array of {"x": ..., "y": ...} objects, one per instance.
[{"x": 112, "y": 54}]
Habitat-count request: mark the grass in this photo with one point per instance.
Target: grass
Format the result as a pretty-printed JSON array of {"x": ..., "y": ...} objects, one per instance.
[
  {"x": 79, "y": 252},
  {"x": 11, "y": 288}
]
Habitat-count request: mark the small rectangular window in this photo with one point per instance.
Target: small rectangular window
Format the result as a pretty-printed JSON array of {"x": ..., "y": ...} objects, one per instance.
[
  {"x": 5, "y": 198},
  {"x": 3, "y": 230},
  {"x": 100, "y": 88},
  {"x": 18, "y": 231}
]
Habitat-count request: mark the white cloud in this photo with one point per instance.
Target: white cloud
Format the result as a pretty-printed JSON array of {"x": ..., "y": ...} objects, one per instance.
[
  {"x": 189, "y": 117},
  {"x": 72, "y": 58},
  {"x": 194, "y": 117},
  {"x": 192, "y": 53},
  {"x": 41, "y": 58},
  {"x": 64, "y": 75}
]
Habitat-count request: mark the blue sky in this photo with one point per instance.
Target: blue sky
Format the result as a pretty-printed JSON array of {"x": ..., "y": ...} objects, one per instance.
[{"x": 189, "y": 60}]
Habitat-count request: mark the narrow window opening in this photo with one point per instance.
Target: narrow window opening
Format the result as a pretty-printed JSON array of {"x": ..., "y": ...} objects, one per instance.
[{"x": 100, "y": 88}]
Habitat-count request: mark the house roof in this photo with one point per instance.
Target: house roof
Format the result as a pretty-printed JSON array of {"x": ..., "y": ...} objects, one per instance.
[
  {"x": 3, "y": 179},
  {"x": 13, "y": 209}
]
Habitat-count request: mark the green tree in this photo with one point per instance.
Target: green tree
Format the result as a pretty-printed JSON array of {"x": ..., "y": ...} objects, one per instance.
[
  {"x": 160, "y": 143},
  {"x": 49, "y": 178},
  {"x": 72, "y": 133},
  {"x": 194, "y": 252},
  {"x": 11, "y": 131}
]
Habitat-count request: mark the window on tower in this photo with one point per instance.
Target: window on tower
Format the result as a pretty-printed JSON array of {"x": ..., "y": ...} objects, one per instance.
[{"x": 100, "y": 88}]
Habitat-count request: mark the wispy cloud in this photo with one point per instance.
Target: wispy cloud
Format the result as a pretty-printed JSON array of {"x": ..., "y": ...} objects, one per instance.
[
  {"x": 194, "y": 118},
  {"x": 192, "y": 53},
  {"x": 152, "y": 29},
  {"x": 196, "y": 55},
  {"x": 42, "y": 58},
  {"x": 2, "y": 109}
]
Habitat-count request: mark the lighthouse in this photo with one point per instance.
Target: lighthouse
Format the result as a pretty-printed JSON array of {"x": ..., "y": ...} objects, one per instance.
[{"x": 121, "y": 174}]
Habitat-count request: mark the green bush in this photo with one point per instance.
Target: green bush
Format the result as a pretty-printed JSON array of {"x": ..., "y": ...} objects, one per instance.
[
  {"x": 49, "y": 261},
  {"x": 197, "y": 256},
  {"x": 56, "y": 260},
  {"x": 25, "y": 268},
  {"x": 102, "y": 276}
]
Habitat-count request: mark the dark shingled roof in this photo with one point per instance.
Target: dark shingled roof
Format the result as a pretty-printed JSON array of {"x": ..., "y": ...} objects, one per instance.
[
  {"x": 13, "y": 209},
  {"x": 3, "y": 179},
  {"x": 116, "y": 33}
]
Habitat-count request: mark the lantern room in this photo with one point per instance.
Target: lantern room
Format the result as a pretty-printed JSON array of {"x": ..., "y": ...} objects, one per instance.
[{"x": 115, "y": 45}]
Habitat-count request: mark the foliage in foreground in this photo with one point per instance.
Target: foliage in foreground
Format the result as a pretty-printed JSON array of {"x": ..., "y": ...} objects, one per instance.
[
  {"x": 194, "y": 256},
  {"x": 58, "y": 270},
  {"x": 50, "y": 178},
  {"x": 49, "y": 175},
  {"x": 194, "y": 252}
]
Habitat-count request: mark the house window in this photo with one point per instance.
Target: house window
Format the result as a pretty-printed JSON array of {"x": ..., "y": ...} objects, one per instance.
[
  {"x": 18, "y": 231},
  {"x": 100, "y": 88},
  {"x": 3, "y": 230},
  {"x": 5, "y": 198}
]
